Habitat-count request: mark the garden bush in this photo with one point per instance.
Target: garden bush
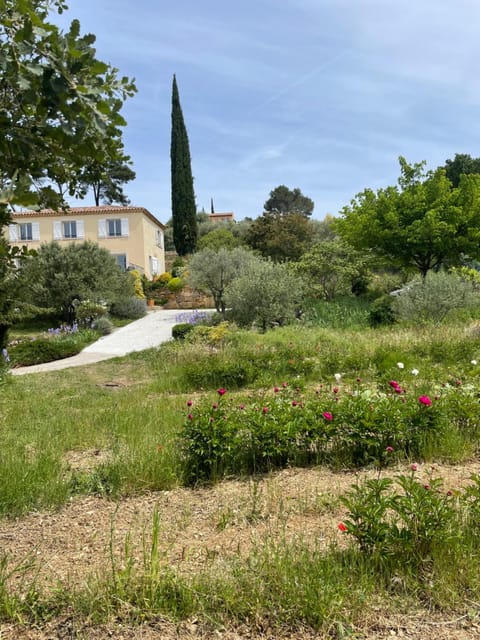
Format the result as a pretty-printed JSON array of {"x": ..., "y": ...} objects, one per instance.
[
  {"x": 103, "y": 325},
  {"x": 181, "y": 330},
  {"x": 131, "y": 308},
  {"x": 47, "y": 349}
]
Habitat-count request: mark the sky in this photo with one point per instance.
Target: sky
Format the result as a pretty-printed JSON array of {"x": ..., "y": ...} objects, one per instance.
[{"x": 323, "y": 95}]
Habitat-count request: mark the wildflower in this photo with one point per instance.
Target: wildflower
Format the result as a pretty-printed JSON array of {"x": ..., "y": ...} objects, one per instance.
[
  {"x": 284, "y": 385},
  {"x": 343, "y": 527},
  {"x": 449, "y": 493},
  {"x": 337, "y": 376},
  {"x": 413, "y": 467},
  {"x": 394, "y": 384},
  {"x": 190, "y": 417},
  {"x": 242, "y": 406},
  {"x": 398, "y": 390},
  {"x": 426, "y": 487},
  {"x": 389, "y": 449},
  {"x": 400, "y": 365},
  {"x": 189, "y": 403},
  {"x": 276, "y": 389},
  {"x": 425, "y": 400},
  {"x": 265, "y": 409},
  {"x": 214, "y": 405},
  {"x": 327, "y": 415},
  {"x": 335, "y": 389},
  {"x": 458, "y": 382},
  {"x": 294, "y": 403},
  {"x": 415, "y": 372},
  {"x": 359, "y": 380},
  {"x": 473, "y": 362},
  {"x": 221, "y": 392}
]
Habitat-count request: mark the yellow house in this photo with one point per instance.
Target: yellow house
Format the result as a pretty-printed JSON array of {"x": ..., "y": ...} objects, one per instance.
[{"x": 132, "y": 234}]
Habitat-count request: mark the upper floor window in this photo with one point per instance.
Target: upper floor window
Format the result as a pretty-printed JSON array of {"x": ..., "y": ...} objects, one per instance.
[
  {"x": 24, "y": 232},
  {"x": 70, "y": 229},
  {"x": 113, "y": 228}
]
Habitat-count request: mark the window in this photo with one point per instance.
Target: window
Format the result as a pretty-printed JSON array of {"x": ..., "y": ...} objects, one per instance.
[
  {"x": 114, "y": 227},
  {"x": 159, "y": 238},
  {"x": 121, "y": 259},
  {"x": 70, "y": 229},
  {"x": 26, "y": 231},
  {"x": 154, "y": 265}
]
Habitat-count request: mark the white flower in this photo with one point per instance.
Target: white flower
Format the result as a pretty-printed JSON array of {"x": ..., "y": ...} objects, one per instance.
[
  {"x": 415, "y": 372},
  {"x": 337, "y": 376},
  {"x": 400, "y": 365},
  {"x": 473, "y": 362}
]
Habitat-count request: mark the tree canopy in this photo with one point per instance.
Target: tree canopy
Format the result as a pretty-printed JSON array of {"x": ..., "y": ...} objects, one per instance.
[
  {"x": 184, "y": 212},
  {"x": 423, "y": 222},
  {"x": 462, "y": 164},
  {"x": 284, "y": 201}
]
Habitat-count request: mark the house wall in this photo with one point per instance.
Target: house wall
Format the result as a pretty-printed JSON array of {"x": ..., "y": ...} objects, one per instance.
[{"x": 140, "y": 244}]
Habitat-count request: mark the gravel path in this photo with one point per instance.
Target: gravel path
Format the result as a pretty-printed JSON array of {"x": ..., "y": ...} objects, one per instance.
[{"x": 150, "y": 331}]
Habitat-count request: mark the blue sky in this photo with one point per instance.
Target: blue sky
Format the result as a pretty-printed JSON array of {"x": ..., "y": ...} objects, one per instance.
[{"x": 323, "y": 95}]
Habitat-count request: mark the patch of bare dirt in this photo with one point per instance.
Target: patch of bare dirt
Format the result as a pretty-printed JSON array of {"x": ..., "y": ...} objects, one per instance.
[{"x": 199, "y": 527}]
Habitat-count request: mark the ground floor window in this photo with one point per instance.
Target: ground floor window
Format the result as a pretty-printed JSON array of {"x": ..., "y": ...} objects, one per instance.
[{"x": 121, "y": 259}]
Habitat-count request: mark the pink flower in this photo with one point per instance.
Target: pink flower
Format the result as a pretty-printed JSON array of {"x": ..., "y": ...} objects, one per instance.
[
  {"x": 389, "y": 449},
  {"x": 284, "y": 385},
  {"x": 242, "y": 406},
  {"x": 413, "y": 467},
  {"x": 425, "y": 400},
  {"x": 393, "y": 384},
  {"x": 327, "y": 415},
  {"x": 398, "y": 390},
  {"x": 343, "y": 527},
  {"x": 335, "y": 389},
  {"x": 189, "y": 403},
  {"x": 190, "y": 417},
  {"x": 426, "y": 487},
  {"x": 276, "y": 389},
  {"x": 221, "y": 392},
  {"x": 449, "y": 493},
  {"x": 265, "y": 409}
]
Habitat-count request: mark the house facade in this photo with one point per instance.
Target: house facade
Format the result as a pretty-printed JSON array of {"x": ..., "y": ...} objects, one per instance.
[{"x": 131, "y": 234}]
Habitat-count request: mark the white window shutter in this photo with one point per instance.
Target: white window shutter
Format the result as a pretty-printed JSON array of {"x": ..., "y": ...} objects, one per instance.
[
  {"x": 57, "y": 230},
  {"x": 12, "y": 232},
  {"x": 80, "y": 229},
  {"x": 102, "y": 228},
  {"x": 35, "y": 231},
  {"x": 124, "y": 227}
]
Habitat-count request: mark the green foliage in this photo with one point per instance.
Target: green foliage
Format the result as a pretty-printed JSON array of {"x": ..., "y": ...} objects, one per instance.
[
  {"x": 178, "y": 266},
  {"x": 433, "y": 298},
  {"x": 47, "y": 349},
  {"x": 180, "y": 331},
  {"x": 184, "y": 211},
  {"x": 423, "y": 222},
  {"x": 402, "y": 519},
  {"x": 103, "y": 325},
  {"x": 174, "y": 285},
  {"x": 346, "y": 312},
  {"x": 279, "y": 236},
  {"x": 381, "y": 312},
  {"x": 266, "y": 294},
  {"x": 218, "y": 238},
  {"x": 87, "y": 312},
  {"x": 132, "y": 308},
  {"x": 58, "y": 275},
  {"x": 212, "y": 271},
  {"x": 284, "y": 201},
  {"x": 332, "y": 268},
  {"x": 462, "y": 164}
]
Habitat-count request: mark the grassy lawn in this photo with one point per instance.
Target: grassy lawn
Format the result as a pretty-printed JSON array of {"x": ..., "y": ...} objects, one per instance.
[{"x": 118, "y": 434}]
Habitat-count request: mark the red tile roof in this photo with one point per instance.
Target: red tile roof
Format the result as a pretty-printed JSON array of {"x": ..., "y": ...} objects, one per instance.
[{"x": 87, "y": 211}]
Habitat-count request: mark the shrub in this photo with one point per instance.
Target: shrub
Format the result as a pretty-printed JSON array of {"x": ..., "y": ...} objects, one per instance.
[
  {"x": 177, "y": 267},
  {"x": 103, "y": 325},
  {"x": 87, "y": 312},
  {"x": 175, "y": 284},
  {"x": 131, "y": 308},
  {"x": 163, "y": 278},
  {"x": 47, "y": 349},
  {"x": 137, "y": 280},
  {"x": 180, "y": 331},
  {"x": 432, "y": 299},
  {"x": 381, "y": 312}
]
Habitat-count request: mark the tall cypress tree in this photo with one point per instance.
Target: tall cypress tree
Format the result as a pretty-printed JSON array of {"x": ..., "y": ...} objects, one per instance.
[{"x": 184, "y": 211}]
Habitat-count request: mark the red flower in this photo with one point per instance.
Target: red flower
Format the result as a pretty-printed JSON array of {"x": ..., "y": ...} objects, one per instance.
[
  {"x": 214, "y": 405},
  {"x": 265, "y": 409},
  {"x": 426, "y": 486},
  {"x": 294, "y": 403},
  {"x": 449, "y": 493},
  {"x": 276, "y": 389},
  {"x": 425, "y": 400},
  {"x": 389, "y": 449},
  {"x": 343, "y": 527},
  {"x": 359, "y": 379},
  {"x": 189, "y": 403},
  {"x": 413, "y": 467},
  {"x": 327, "y": 415},
  {"x": 393, "y": 384},
  {"x": 221, "y": 392},
  {"x": 190, "y": 417},
  {"x": 335, "y": 389}
]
